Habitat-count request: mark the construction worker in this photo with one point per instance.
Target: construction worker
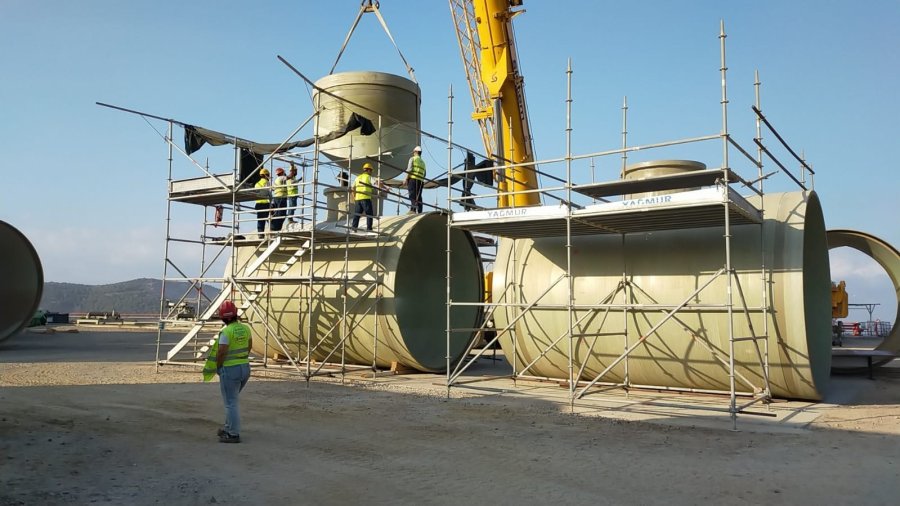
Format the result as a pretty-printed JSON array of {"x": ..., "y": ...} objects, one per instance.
[
  {"x": 415, "y": 179},
  {"x": 232, "y": 352},
  {"x": 363, "y": 190},
  {"x": 279, "y": 200},
  {"x": 263, "y": 205},
  {"x": 292, "y": 192}
]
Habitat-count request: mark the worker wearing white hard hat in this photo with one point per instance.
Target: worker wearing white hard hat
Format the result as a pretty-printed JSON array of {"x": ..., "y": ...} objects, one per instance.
[
  {"x": 415, "y": 180},
  {"x": 292, "y": 192}
]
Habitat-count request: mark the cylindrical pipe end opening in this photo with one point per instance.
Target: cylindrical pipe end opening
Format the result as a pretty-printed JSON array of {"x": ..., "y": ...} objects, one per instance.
[{"x": 23, "y": 281}]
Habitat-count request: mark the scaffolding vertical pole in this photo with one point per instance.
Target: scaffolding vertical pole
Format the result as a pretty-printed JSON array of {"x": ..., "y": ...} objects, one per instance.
[
  {"x": 625, "y": 286},
  {"x": 512, "y": 201},
  {"x": 803, "y": 166},
  {"x": 762, "y": 238},
  {"x": 345, "y": 278},
  {"x": 627, "y": 298},
  {"x": 448, "y": 279},
  {"x": 593, "y": 178},
  {"x": 203, "y": 226},
  {"x": 806, "y": 168},
  {"x": 515, "y": 297},
  {"x": 502, "y": 182},
  {"x": 624, "y": 134},
  {"x": 162, "y": 295},
  {"x": 728, "y": 267},
  {"x": 312, "y": 242},
  {"x": 265, "y": 237},
  {"x": 202, "y": 257},
  {"x": 235, "y": 228},
  {"x": 570, "y": 287},
  {"x": 379, "y": 268}
]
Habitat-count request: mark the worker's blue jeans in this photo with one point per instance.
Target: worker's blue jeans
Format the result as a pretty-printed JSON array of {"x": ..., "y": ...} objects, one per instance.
[
  {"x": 262, "y": 216},
  {"x": 291, "y": 204},
  {"x": 414, "y": 186},
  {"x": 231, "y": 381},
  {"x": 278, "y": 204},
  {"x": 363, "y": 207}
]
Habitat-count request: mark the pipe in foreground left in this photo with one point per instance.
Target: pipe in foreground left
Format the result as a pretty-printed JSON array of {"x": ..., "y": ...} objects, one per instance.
[{"x": 22, "y": 281}]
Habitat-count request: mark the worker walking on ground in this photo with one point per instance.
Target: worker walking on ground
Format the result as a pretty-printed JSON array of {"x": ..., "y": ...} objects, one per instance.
[
  {"x": 363, "y": 190},
  {"x": 415, "y": 179},
  {"x": 263, "y": 206},
  {"x": 292, "y": 192},
  {"x": 279, "y": 200},
  {"x": 232, "y": 363}
]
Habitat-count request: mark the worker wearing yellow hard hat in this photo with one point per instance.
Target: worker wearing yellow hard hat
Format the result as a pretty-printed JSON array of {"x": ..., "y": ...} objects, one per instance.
[
  {"x": 363, "y": 190},
  {"x": 262, "y": 203}
]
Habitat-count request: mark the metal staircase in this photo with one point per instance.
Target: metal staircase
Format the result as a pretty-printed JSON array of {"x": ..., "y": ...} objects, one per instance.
[{"x": 249, "y": 296}]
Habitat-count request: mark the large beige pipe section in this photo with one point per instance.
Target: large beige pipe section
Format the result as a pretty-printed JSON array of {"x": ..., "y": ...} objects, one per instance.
[
  {"x": 665, "y": 268},
  {"x": 22, "y": 281},
  {"x": 407, "y": 311},
  {"x": 888, "y": 258}
]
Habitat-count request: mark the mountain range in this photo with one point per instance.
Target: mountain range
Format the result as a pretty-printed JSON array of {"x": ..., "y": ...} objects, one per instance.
[{"x": 128, "y": 297}]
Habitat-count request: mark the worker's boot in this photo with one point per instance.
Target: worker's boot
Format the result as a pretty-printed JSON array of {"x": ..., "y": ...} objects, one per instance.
[{"x": 228, "y": 438}]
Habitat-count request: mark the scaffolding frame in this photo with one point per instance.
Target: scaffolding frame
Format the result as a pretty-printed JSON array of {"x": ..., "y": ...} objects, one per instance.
[
  {"x": 227, "y": 192},
  {"x": 565, "y": 214},
  {"x": 567, "y": 219}
]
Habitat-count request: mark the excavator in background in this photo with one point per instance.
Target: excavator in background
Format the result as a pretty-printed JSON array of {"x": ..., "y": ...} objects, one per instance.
[{"x": 487, "y": 45}]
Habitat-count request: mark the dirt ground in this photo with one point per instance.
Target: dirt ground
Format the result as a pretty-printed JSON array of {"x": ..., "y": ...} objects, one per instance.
[{"x": 85, "y": 419}]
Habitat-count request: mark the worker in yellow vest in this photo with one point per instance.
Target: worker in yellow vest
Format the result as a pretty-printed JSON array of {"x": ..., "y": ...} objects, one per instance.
[
  {"x": 415, "y": 179},
  {"x": 232, "y": 352},
  {"x": 292, "y": 192},
  {"x": 363, "y": 190},
  {"x": 263, "y": 205},
  {"x": 279, "y": 199}
]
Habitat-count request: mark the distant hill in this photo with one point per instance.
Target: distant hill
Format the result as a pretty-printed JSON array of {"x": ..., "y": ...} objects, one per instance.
[{"x": 135, "y": 296}]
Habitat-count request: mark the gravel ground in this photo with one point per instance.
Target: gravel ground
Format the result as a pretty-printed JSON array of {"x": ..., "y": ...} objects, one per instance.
[{"x": 80, "y": 431}]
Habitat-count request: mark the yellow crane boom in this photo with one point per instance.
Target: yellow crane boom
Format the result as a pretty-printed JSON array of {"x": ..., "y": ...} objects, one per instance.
[{"x": 487, "y": 46}]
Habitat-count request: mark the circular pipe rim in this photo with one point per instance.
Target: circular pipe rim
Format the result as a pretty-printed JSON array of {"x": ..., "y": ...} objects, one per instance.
[
  {"x": 23, "y": 261},
  {"x": 889, "y": 259}
]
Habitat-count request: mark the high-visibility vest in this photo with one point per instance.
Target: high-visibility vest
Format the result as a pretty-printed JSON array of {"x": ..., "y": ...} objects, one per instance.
[
  {"x": 292, "y": 187},
  {"x": 363, "y": 187},
  {"x": 279, "y": 187},
  {"x": 417, "y": 171},
  {"x": 262, "y": 183},
  {"x": 238, "y": 344},
  {"x": 209, "y": 368}
]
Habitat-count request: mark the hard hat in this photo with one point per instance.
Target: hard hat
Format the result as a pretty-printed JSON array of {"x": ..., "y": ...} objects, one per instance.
[
  {"x": 227, "y": 310},
  {"x": 417, "y": 149},
  {"x": 367, "y": 166},
  {"x": 279, "y": 171},
  {"x": 264, "y": 172}
]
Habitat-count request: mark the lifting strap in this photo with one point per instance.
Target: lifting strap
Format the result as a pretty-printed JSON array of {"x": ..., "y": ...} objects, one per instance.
[{"x": 372, "y": 6}]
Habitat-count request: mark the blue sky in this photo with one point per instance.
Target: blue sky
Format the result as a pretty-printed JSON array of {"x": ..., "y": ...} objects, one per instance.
[{"x": 88, "y": 184}]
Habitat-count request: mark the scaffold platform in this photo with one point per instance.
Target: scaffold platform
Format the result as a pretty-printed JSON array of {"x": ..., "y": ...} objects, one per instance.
[
  {"x": 213, "y": 190},
  {"x": 693, "y": 208}
]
